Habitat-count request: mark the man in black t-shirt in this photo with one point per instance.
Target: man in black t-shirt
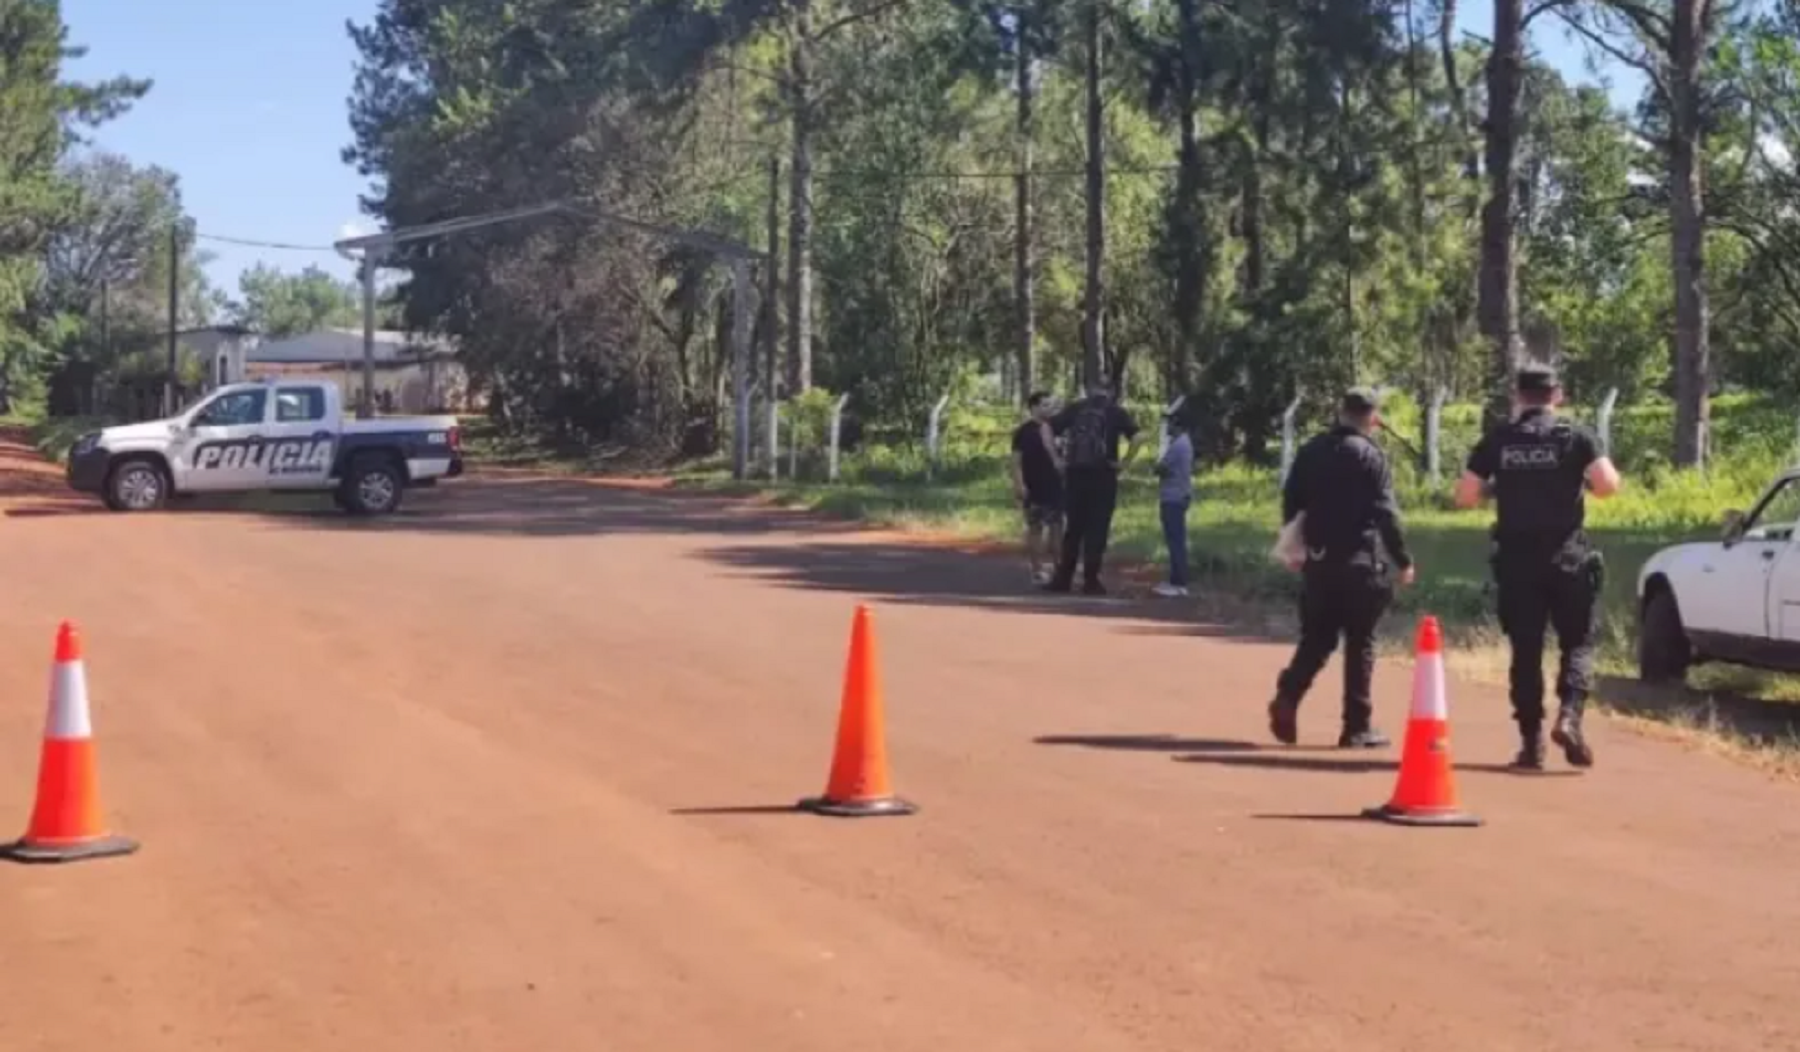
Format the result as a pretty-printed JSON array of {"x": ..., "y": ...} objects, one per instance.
[
  {"x": 1038, "y": 485},
  {"x": 1537, "y": 467},
  {"x": 1091, "y": 430}
]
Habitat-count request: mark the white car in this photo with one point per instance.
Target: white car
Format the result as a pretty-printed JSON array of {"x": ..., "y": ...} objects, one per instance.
[
  {"x": 1736, "y": 599},
  {"x": 278, "y": 436}
]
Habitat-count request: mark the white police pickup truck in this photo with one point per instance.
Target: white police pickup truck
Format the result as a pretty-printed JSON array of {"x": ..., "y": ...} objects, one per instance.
[
  {"x": 1736, "y": 599},
  {"x": 284, "y": 436}
]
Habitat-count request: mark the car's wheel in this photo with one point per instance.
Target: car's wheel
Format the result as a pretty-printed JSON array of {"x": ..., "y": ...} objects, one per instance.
[
  {"x": 373, "y": 485},
  {"x": 1663, "y": 650},
  {"x": 136, "y": 484}
]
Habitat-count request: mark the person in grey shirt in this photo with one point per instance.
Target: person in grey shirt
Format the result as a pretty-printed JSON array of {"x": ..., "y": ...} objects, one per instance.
[{"x": 1175, "y": 494}]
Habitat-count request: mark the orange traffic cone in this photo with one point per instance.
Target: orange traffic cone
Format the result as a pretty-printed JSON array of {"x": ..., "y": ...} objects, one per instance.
[
  {"x": 66, "y": 823},
  {"x": 858, "y": 786},
  {"x": 1425, "y": 794}
]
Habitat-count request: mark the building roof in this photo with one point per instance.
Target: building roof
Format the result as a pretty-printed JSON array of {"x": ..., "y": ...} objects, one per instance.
[{"x": 346, "y": 345}]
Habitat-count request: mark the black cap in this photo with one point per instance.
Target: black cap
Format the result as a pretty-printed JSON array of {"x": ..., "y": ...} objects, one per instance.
[
  {"x": 1537, "y": 378},
  {"x": 1361, "y": 400}
]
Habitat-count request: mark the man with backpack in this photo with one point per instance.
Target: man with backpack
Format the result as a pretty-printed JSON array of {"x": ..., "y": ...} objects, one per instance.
[{"x": 1091, "y": 430}]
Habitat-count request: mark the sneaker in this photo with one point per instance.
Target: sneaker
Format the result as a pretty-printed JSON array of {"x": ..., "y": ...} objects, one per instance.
[
  {"x": 1284, "y": 721},
  {"x": 1093, "y": 588},
  {"x": 1531, "y": 754},
  {"x": 1056, "y": 586},
  {"x": 1574, "y": 745},
  {"x": 1369, "y": 738},
  {"x": 1040, "y": 577},
  {"x": 1170, "y": 591}
]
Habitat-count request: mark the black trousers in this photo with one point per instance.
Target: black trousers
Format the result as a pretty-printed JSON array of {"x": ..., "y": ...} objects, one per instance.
[
  {"x": 1093, "y": 495},
  {"x": 1556, "y": 588},
  {"x": 1339, "y": 599}
]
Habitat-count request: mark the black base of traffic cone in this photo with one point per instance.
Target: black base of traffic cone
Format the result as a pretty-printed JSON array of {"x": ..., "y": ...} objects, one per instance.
[{"x": 49, "y": 854}]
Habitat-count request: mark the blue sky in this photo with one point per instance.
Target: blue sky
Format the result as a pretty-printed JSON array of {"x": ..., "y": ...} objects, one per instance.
[{"x": 249, "y": 109}]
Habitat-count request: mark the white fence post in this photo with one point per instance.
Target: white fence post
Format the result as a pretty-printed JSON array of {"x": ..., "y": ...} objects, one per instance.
[
  {"x": 933, "y": 435},
  {"x": 774, "y": 439},
  {"x": 1287, "y": 438},
  {"x": 793, "y": 442},
  {"x": 1605, "y": 421},
  {"x": 1434, "y": 436},
  {"x": 1162, "y": 440},
  {"x": 837, "y": 432}
]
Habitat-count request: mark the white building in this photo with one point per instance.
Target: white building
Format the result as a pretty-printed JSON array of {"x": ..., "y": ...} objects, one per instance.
[{"x": 412, "y": 374}]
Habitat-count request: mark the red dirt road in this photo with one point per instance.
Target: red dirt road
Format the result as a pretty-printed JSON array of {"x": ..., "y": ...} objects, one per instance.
[{"x": 506, "y": 771}]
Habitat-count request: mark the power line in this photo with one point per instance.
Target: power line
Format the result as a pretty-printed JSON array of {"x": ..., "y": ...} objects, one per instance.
[{"x": 252, "y": 243}]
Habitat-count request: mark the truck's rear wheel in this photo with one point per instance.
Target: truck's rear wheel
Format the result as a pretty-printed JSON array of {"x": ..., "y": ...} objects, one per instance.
[
  {"x": 136, "y": 484},
  {"x": 373, "y": 485},
  {"x": 1664, "y": 653}
]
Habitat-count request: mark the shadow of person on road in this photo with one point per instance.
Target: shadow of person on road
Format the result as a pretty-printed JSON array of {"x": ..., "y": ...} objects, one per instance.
[{"x": 1146, "y": 743}]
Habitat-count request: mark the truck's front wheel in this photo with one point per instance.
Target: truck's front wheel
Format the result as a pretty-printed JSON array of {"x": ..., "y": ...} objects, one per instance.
[
  {"x": 373, "y": 485},
  {"x": 136, "y": 485}
]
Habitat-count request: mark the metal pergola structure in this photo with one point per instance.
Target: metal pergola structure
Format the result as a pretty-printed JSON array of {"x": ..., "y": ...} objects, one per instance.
[{"x": 377, "y": 248}]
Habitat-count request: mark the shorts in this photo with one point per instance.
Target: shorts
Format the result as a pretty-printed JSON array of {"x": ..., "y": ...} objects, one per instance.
[{"x": 1043, "y": 514}]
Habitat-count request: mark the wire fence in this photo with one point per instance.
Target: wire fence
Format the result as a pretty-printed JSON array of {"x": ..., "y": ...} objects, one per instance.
[{"x": 818, "y": 439}]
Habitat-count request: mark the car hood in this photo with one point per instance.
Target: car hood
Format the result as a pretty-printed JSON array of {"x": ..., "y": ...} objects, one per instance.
[{"x": 151, "y": 431}]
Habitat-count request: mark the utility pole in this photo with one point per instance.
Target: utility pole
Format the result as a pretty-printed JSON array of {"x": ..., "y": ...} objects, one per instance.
[
  {"x": 169, "y": 406},
  {"x": 367, "y": 408}
]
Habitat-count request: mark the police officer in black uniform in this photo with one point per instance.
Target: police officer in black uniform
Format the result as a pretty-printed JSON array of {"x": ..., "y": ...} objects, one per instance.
[
  {"x": 1354, "y": 552},
  {"x": 1548, "y": 573}
]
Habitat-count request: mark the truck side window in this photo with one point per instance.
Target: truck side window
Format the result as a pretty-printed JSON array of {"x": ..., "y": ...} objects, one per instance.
[
  {"x": 233, "y": 410},
  {"x": 299, "y": 405}
]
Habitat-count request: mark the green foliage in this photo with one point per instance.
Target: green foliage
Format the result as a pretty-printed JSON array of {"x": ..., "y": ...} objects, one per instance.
[
  {"x": 41, "y": 115},
  {"x": 278, "y": 304}
]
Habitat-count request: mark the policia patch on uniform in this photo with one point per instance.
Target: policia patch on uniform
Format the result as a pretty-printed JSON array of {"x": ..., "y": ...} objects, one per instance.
[{"x": 299, "y": 456}]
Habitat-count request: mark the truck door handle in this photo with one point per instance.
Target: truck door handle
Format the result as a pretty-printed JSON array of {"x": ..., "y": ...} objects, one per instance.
[
  {"x": 1768, "y": 555},
  {"x": 321, "y": 434}
]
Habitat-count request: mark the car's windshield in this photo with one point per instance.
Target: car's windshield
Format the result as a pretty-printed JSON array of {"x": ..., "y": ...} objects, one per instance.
[{"x": 1775, "y": 519}]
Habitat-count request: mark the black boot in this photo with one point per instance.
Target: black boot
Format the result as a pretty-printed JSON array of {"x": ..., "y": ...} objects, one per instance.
[
  {"x": 1284, "y": 721},
  {"x": 1568, "y": 735},
  {"x": 1367, "y": 738},
  {"x": 1531, "y": 750}
]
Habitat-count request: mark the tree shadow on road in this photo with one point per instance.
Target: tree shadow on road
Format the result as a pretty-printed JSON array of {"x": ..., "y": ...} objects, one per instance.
[{"x": 932, "y": 576}]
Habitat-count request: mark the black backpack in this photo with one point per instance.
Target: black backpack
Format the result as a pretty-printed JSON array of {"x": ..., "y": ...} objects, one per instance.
[{"x": 1088, "y": 447}]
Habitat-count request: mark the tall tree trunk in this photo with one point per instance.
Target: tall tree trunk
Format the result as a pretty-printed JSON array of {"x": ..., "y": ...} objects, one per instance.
[
  {"x": 1022, "y": 229},
  {"x": 800, "y": 203},
  {"x": 1093, "y": 322},
  {"x": 1498, "y": 306},
  {"x": 1189, "y": 219},
  {"x": 1687, "y": 215},
  {"x": 1459, "y": 100},
  {"x": 772, "y": 288}
]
